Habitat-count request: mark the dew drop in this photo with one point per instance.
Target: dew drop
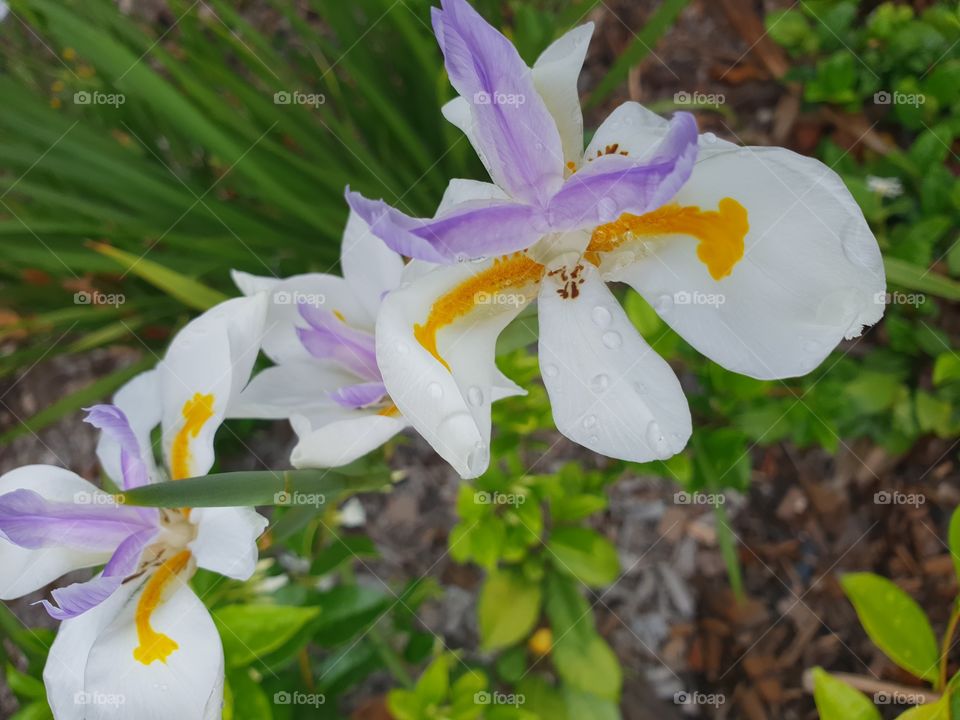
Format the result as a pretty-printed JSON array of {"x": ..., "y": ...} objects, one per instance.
[
  {"x": 709, "y": 138},
  {"x": 640, "y": 388},
  {"x": 435, "y": 391},
  {"x": 601, "y": 316},
  {"x": 593, "y": 439},
  {"x": 475, "y": 396},
  {"x": 607, "y": 210},
  {"x": 550, "y": 370},
  {"x": 478, "y": 459},
  {"x": 589, "y": 421},
  {"x": 656, "y": 440},
  {"x": 663, "y": 304},
  {"x": 599, "y": 383},
  {"x": 612, "y": 339}
]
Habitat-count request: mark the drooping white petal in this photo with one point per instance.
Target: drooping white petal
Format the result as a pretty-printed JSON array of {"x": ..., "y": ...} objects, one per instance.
[
  {"x": 226, "y": 541},
  {"x": 555, "y": 75},
  {"x": 292, "y": 388},
  {"x": 460, "y": 190},
  {"x": 23, "y": 571},
  {"x": 609, "y": 390},
  {"x": 140, "y": 401},
  {"x": 449, "y": 407},
  {"x": 66, "y": 665},
  {"x": 369, "y": 266},
  {"x": 325, "y": 443},
  {"x": 205, "y": 368},
  {"x": 810, "y": 273},
  {"x": 188, "y": 685}
]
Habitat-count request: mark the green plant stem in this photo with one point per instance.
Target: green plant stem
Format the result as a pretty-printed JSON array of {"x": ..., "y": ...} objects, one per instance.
[
  {"x": 947, "y": 644},
  {"x": 390, "y": 658},
  {"x": 728, "y": 550}
]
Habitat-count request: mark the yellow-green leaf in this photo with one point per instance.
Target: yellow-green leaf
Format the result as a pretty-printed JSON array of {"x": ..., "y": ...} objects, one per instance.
[
  {"x": 508, "y": 609},
  {"x": 895, "y": 623},
  {"x": 838, "y": 701}
]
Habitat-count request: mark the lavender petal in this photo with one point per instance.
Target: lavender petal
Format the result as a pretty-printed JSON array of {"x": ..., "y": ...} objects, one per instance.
[
  {"x": 358, "y": 396},
  {"x": 112, "y": 421}
]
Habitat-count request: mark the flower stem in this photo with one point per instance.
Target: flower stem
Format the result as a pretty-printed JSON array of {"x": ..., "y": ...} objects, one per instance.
[{"x": 947, "y": 645}]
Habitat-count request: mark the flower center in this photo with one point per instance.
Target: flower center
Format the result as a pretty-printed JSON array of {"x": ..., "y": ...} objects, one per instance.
[
  {"x": 489, "y": 287},
  {"x": 196, "y": 411},
  {"x": 720, "y": 232}
]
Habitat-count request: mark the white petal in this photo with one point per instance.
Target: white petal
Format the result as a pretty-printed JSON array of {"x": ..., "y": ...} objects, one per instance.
[
  {"x": 609, "y": 390},
  {"x": 637, "y": 131},
  {"x": 140, "y": 401},
  {"x": 226, "y": 541},
  {"x": 457, "y": 112},
  {"x": 23, "y": 571},
  {"x": 369, "y": 266},
  {"x": 809, "y": 277},
  {"x": 450, "y": 408},
  {"x": 188, "y": 686},
  {"x": 64, "y": 672},
  {"x": 280, "y": 342},
  {"x": 252, "y": 284},
  {"x": 555, "y": 75},
  {"x": 293, "y": 388},
  {"x": 460, "y": 190},
  {"x": 331, "y": 444}
]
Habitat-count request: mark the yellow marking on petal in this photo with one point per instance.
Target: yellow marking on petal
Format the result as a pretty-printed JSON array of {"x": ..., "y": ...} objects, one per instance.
[
  {"x": 720, "y": 232},
  {"x": 390, "y": 410},
  {"x": 513, "y": 272},
  {"x": 340, "y": 317},
  {"x": 196, "y": 411},
  {"x": 152, "y": 644}
]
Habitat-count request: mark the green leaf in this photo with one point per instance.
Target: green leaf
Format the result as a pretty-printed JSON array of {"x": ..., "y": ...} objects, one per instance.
[
  {"x": 592, "y": 667},
  {"x": 190, "y": 292},
  {"x": 34, "y": 711},
  {"x": 913, "y": 277},
  {"x": 585, "y": 554},
  {"x": 298, "y": 488},
  {"x": 953, "y": 539},
  {"x": 250, "y": 632},
  {"x": 434, "y": 684},
  {"x": 249, "y": 700},
  {"x": 940, "y": 710},
  {"x": 946, "y": 368},
  {"x": 403, "y": 705},
  {"x": 24, "y": 685},
  {"x": 895, "y": 623},
  {"x": 508, "y": 609},
  {"x": 838, "y": 701}
]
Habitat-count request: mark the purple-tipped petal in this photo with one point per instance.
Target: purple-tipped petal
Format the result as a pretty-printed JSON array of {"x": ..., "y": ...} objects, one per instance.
[
  {"x": 613, "y": 184},
  {"x": 77, "y": 598},
  {"x": 112, "y": 421},
  {"x": 514, "y": 130},
  {"x": 328, "y": 337},
  {"x": 473, "y": 229},
  {"x": 358, "y": 396},
  {"x": 32, "y": 522}
]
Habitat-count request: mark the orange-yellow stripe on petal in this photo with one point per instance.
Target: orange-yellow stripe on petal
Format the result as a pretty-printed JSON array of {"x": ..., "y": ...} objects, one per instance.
[
  {"x": 153, "y": 645},
  {"x": 196, "y": 412},
  {"x": 720, "y": 232},
  {"x": 513, "y": 272}
]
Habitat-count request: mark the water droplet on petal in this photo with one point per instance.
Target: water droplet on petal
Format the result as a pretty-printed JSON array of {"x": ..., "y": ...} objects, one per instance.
[
  {"x": 607, "y": 210},
  {"x": 475, "y": 396},
  {"x": 593, "y": 439},
  {"x": 640, "y": 388},
  {"x": 709, "y": 138},
  {"x": 550, "y": 370},
  {"x": 589, "y": 421},
  {"x": 601, "y": 316},
  {"x": 656, "y": 440},
  {"x": 599, "y": 383},
  {"x": 612, "y": 339},
  {"x": 663, "y": 304},
  {"x": 478, "y": 459},
  {"x": 435, "y": 391}
]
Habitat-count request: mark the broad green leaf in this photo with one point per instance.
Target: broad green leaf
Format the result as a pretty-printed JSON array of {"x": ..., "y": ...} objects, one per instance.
[
  {"x": 433, "y": 685},
  {"x": 939, "y": 710},
  {"x": 895, "y": 623},
  {"x": 838, "y": 701},
  {"x": 25, "y": 686},
  {"x": 190, "y": 292},
  {"x": 296, "y": 488},
  {"x": 592, "y": 667},
  {"x": 403, "y": 705},
  {"x": 249, "y": 701},
  {"x": 585, "y": 554},
  {"x": 346, "y": 610},
  {"x": 946, "y": 368},
  {"x": 34, "y": 711},
  {"x": 588, "y": 706},
  {"x": 250, "y": 632},
  {"x": 508, "y": 609}
]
